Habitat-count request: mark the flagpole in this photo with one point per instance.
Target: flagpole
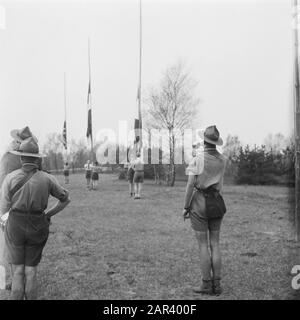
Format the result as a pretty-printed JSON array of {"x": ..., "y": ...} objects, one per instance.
[
  {"x": 89, "y": 57},
  {"x": 65, "y": 103},
  {"x": 140, "y": 80},
  {"x": 296, "y": 123}
]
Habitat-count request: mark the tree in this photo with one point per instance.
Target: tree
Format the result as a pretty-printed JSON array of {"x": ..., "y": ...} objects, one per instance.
[
  {"x": 53, "y": 148},
  {"x": 172, "y": 106},
  {"x": 275, "y": 142},
  {"x": 231, "y": 150}
]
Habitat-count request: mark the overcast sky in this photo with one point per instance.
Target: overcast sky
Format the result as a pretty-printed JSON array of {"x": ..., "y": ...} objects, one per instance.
[{"x": 240, "y": 52}]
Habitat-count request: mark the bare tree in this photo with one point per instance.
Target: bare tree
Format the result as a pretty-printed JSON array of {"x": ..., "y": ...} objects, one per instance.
[
  {"x": 276, "y": 142},
  {"x": 53, "y": 148},
  {"x": 172, "y": 106}
]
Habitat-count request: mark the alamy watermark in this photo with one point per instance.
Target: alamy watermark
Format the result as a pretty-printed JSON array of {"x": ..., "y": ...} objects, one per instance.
[
  {"x": 296, "y": 279},
  {"x": 2, "y": 277},
  {"x": 157, "y": 146}
]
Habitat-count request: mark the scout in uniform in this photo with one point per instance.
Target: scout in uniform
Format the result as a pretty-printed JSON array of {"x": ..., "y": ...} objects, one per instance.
[
  {"x": 66, "y": 172},
  {"x": 95, "y": 175},
  {"x": 88, "y": 173},
  {"x": 8, "y": 163},
  {"x": 25, "y": 193},
  {"x": 138, "y": 178},
  {"x": 205, "y": 180},
  {"x": 130, "y": 174}
]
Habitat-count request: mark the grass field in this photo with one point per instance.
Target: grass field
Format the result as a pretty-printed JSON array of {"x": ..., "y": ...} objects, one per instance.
[{"x": 108, "y": 246}]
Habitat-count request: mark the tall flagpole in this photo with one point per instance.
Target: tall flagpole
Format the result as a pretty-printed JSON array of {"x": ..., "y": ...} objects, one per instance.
[
  {"x": 65, "y": 103},
  {"x": 89, "y": 56},
  {"x": 297, "y": 121},
  {"x": 140, "y": 81}
]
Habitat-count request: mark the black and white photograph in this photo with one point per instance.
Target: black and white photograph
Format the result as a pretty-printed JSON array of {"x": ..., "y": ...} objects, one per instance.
[{"x": 149, "y": 151}]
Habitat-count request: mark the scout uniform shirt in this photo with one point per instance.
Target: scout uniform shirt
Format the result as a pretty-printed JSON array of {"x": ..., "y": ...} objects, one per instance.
[
  {"x": 206, "y": 169},
  {"x": 34, "y": 195}
]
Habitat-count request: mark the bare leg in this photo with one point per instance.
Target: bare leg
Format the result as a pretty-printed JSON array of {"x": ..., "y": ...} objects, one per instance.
[
  {"x": 136, "y": 189},
  {"x": 88, "y": 183},
  {"x": 30, "y": 283},
  {"x": 205, "y": 259},
  {"x": 140, "y": 188},
  {"x": 215, "y": 254},
  {"x": 18, "y": 288},
  {"x": 131, "y": 188}
]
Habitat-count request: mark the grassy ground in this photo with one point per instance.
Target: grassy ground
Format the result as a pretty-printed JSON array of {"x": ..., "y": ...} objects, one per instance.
[{"x": 108, "y": 246}]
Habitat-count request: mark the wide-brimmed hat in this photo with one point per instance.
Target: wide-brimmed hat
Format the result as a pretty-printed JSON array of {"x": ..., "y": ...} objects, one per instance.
[
  {"x": 28, "y": 148},
  {"x": 211, "y": 135},
  {"x": 22, "y": 134}
]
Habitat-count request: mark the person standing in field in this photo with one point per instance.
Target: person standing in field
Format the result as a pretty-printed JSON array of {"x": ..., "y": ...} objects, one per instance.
[
  {"x": 130, "y": 174},
  {"x": 95, "y": 175},
  {"x": 138, "y": 178},
  {"x": 88, "y": 173},
  {"x": 204, "y": 205},
  {"x": 25, "y": 193},
  {"x": 66, "y": 172},
  {"x": 8, "y": 163}
]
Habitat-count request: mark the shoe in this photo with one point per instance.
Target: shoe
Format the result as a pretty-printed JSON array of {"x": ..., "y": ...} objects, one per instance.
[
  {"x": 205, "y": 288},
  {"x": 217, "y": 289}
]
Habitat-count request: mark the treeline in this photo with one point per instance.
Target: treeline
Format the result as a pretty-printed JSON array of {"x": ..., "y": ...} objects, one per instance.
[
  {"x": 268, "y": 164},
  {"x": 272, "y": 163}
]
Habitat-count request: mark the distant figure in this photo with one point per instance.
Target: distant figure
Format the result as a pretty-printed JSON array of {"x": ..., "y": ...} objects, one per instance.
[
  {"x": 88, "y": 173},
  {"x": 204, "y": 206},
  {"x": 66, "y": 172},
  {"x": 138, "y": 178},
  {"x": 96, "y": 169},
  {"x": 25, "y": 193},
  {"x": 8, "y": 163},
  {"x": 130, "y": 175}
]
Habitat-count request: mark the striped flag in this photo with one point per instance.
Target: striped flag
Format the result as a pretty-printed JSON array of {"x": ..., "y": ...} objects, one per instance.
[
  {"x": 136, "y": 130},
  {"x": 64, "y": 135},
  {"x": 89, "y": 125}
]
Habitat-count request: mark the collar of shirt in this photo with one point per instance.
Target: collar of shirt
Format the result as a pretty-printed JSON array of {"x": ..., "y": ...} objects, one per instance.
[{"x": 29, "y": 166}]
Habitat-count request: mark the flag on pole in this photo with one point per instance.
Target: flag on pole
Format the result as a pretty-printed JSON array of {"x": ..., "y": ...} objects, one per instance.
[
  {"x": 89, "y": 125},
  {"x": 136, "y": 130},
  {"x": 64, "y": 135}
]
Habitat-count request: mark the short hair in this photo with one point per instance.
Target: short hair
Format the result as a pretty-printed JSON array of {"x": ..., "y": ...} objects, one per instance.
[{"x": 27, "y": 159}]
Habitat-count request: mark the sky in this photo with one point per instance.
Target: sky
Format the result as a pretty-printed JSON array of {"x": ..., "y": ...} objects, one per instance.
[{"x": 239, "y": 52}]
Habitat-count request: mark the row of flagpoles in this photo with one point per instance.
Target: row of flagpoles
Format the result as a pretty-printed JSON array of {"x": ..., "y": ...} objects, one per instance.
[
  {"x": 137, "y": 122},
  {"x": 89, "y": 132}
]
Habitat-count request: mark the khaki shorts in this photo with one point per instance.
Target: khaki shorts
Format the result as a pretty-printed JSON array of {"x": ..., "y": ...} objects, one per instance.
[
  {"x": 138, "y": 177},
  {"x": 199, "y": 223},
  {"x": 26, "y": 236}
]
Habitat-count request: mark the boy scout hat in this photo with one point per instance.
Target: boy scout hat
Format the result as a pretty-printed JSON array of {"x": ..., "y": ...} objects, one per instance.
[
  {"x": 211, "y": 135},
  {"x": 22, "y": 134},
  {"x": 28, "y": 148}
]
